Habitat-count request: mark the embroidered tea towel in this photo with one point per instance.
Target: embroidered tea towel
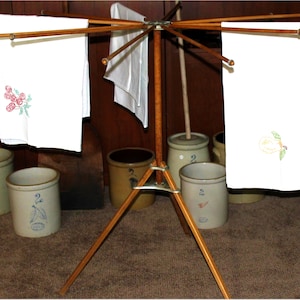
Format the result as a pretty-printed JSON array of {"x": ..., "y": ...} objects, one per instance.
[
  {"x": 129, "y": 69},
  {"x": 261, "y": 107},
  {"x": 44, "y": 83}
]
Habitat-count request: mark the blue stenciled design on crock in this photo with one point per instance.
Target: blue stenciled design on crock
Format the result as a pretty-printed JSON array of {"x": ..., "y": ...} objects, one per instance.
[
  {"x": 38, "y": 216},
  {"x": 273, "y": 144},
  {"x": 203, "y": 219},
  {"x": 18, "y": 100},
  {"x": 202, "y": 204},
  {"x": 133, "y": 180},
  {"x": 201, "y": 192},
  {"x": 193, "y": 158}
]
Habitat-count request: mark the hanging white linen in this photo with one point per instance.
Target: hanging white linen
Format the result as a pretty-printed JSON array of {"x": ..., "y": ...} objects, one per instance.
[
  {"x": 44, "y": 83},
  {"x": 129, "y": 69},
  {"x": 262, "y": 104}
]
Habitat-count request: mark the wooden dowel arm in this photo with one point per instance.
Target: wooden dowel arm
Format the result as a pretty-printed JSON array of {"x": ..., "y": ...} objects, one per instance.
[
  {"x": 200, "y": 26},
  {"x": 114, "y": 22},
  {"x": 19, "y": 35},
  {"x": 294, "y": 32},
  {"x": 112, "y": 55},
  {"x": 170, "y": 14},
  {"x": 241, "y": 18},
  {"x": 191, "y": 41},
  {"x": 92, "y": 19},
  {"x": 214, "y": 27}
]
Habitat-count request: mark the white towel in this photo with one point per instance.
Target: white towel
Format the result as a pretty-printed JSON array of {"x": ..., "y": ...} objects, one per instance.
[
  {"x": 129, "y": 69},
  {"x": 44, "y": 83},
  {"x": 262, "y": 104}
]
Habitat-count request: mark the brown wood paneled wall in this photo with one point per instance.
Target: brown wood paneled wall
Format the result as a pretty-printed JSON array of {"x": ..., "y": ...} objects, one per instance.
[{"x": 116, "y": 126}]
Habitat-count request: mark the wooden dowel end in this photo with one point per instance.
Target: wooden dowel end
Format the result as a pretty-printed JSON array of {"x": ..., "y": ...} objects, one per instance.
[{"x": 104, "y": 61}]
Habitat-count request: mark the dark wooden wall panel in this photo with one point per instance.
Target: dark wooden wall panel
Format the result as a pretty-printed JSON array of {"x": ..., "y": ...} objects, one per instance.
[
  {"x": 36, "y": 7},
  {"x": 204, "y": 89},
  {"x": 5, "y": 7},
  {"x": 213, "y": 9}
]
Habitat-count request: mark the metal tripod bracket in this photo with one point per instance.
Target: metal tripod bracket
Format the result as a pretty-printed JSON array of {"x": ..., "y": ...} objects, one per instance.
[{"x": 159, "y": 187}]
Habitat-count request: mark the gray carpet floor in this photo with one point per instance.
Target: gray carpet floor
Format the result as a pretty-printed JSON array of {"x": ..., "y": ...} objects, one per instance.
[{"x": 149, "y": 256}]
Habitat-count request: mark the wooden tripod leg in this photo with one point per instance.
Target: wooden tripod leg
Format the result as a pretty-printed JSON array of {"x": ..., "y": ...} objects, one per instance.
[
  {"x": 105, "y": 232},
  {"x": 180, "y": 216},
  {"x": 196, "y": 233}
]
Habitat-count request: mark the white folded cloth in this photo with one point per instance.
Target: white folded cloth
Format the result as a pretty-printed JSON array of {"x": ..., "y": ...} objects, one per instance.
[
  {"x": 44, "y": 83},
  {"x": 129, "y": 69},
  {"x": 261, "y": 105}
]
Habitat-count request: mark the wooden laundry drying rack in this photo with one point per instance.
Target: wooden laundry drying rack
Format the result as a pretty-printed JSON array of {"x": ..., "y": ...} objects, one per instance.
[{"x": 158, "y": 165}]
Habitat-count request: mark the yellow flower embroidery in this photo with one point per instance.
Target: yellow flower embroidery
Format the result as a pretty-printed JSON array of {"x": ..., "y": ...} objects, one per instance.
[{"x": 273, "y": 144}]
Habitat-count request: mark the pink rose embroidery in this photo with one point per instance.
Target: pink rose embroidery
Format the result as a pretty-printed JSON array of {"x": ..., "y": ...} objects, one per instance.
[
  {"x": 11, "y": 106},
  {"x": 18, "y": 101},
  {"x": 8, "y": 89}
]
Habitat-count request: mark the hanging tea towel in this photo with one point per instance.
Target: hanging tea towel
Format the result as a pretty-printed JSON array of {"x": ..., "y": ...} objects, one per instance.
[
  {"x": 262, "y": 104},
  {"x": 44, "y": 83},
  {"x": 129, "y": 69}
]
